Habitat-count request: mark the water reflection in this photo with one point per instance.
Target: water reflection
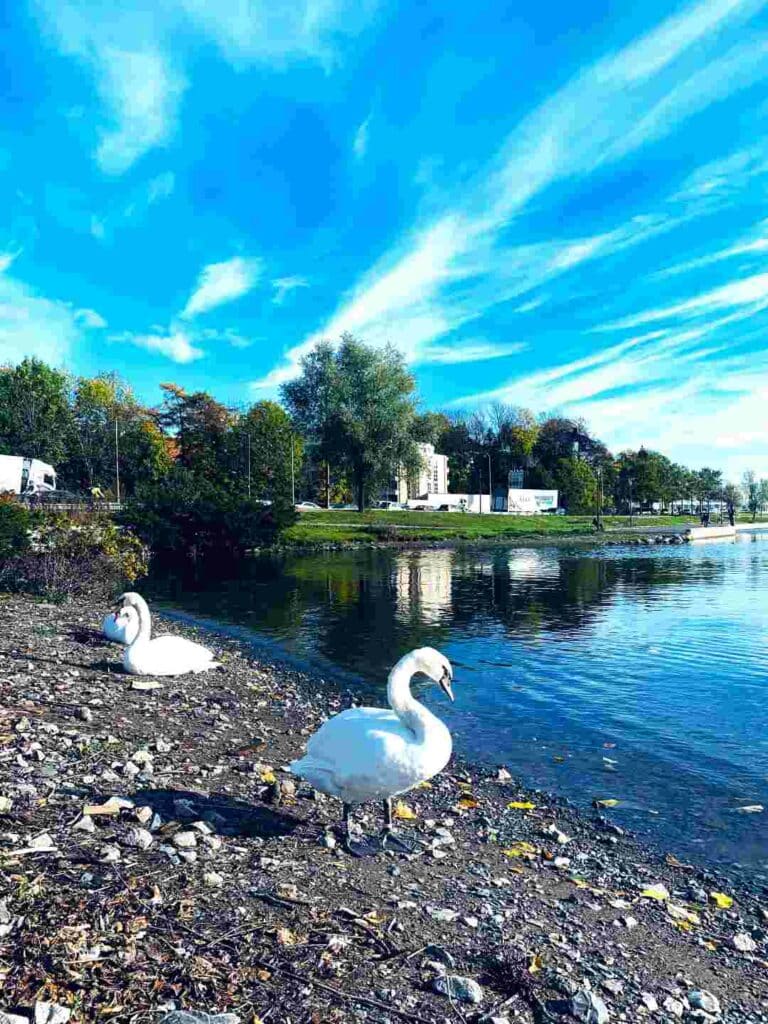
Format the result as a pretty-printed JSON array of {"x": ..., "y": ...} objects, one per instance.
[{"x": 661, "y": 652}]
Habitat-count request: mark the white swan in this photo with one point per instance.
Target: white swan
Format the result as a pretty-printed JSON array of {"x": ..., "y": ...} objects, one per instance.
[
  {"x": 163, "y": 655},
  {"x": 126, "y": 630},
  {"x": 366, "y": 754}
]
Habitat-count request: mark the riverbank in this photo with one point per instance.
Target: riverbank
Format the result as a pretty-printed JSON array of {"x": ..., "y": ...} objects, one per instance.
[
  {"x": 204, "y": 878},
  {"x": 323, "y": 530}
]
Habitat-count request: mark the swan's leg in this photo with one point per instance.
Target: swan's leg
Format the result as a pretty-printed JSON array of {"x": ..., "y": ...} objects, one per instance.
[
  {"x": 365, "y": 847},
  {"x": 389, "y": 841}
]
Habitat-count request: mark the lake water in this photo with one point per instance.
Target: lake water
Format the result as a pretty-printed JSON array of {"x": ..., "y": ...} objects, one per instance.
[{"x": 626, "y": 673}]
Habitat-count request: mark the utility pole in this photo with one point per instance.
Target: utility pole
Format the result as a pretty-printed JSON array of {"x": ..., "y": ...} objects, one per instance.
[
  {"x": 249, "y": 465},
  {"x": 630, "y": 501},
  {"x": 599, "y": 497},
  {"x": 490, "y": 492},
  {"x": 117, "y": 461}
]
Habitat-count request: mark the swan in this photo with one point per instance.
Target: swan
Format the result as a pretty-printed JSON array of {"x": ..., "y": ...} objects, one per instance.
[
  {"x": 366, "y": 754},
  {"x": 163, "y": 655},
  {"x": 124, "y": 632}
]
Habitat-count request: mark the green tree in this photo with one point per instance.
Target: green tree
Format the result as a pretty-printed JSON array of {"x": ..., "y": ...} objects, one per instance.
[
  {"x": 762, "y": 495},
  {"x": 751, "y": 490},
  {"x": 35, "y": 416},
  {"x": 357, "y": 404},
  {"x": 263, "y": 439},
  {"x": 577, "y": 484},
  {"x": 200, "y": 427}
]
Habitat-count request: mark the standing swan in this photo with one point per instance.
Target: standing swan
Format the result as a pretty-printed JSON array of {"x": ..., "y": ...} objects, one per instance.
[
  {"x": 163, "y": 656},
  {"x": 124, "y": 631},
  {"x": 366, "y": 754}
]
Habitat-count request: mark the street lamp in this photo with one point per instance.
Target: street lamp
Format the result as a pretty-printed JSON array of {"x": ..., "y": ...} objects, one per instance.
[{"x": 630, "y": 481}]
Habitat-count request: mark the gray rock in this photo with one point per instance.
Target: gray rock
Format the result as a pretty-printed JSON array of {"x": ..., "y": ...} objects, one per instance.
[
  {"x": 85, "y": 824},
  {"x": 441, "y": 954},
  {"x": 589, "y": 1008},
  {"x": 185, "y": 840},
  {"x": 744, "y": 942},
  {"x": 649, "y": 1001},
  {"x": 700, "y": 999},
  {"x": 12, "y": 1018},
  {"x": 51, "y": 1013},
  {"x": 673, "y": 1006},
  {"x": 139, "y": 838},
  {"x": 466, "y": 990}
]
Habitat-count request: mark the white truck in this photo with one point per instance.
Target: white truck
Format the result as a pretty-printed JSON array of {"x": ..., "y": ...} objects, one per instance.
[{"x": 20, "y": 475}]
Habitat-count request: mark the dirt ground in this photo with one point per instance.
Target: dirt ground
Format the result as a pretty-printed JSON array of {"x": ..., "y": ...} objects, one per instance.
[{"x": 156, "y": 854}]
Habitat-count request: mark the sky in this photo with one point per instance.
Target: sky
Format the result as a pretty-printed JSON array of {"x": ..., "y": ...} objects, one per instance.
[{"x": 559, "y": 206}]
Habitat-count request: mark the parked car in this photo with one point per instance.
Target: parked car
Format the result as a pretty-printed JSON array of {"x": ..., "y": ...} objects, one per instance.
[
  {"x": 306, "y": 506},
  {"x": 390, "y": 506},
  {"x": 344, "y": 508}
]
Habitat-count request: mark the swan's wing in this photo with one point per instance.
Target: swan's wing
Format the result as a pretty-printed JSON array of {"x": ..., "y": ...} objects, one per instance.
[{"x": 178, "y": 646}]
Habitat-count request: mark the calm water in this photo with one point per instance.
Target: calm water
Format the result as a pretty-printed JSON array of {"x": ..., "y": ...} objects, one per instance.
[{"x": 654, "y": 659}]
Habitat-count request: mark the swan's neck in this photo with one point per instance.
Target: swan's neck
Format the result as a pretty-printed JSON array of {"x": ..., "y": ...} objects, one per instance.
[
  {"x": 145, "y": 621},
  {"x": 410, "y": 712}
]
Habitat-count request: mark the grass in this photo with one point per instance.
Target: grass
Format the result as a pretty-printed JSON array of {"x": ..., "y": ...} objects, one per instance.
[{"x": 351, "y": 527}]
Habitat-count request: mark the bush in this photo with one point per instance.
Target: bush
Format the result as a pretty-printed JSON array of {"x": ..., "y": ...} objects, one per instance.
[
  {"x": 15, "y": 524},
  {"x": 186, "y": 516},
  {"x": 69, "y": 557}
]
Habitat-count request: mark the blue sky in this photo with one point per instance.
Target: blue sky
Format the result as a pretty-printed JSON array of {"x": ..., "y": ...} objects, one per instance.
[{"x": 558, "y": 205}]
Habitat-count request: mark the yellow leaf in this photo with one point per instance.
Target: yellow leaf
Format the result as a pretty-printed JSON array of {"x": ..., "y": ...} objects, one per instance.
[
  {"x": 374, "y": 917},
  {"x": 683, "y": 915},
  {"x": 684, "y": 926},
  {"x": 268, "y": 775},
  {"x": 520, "y": 849},
  {"x": 656, "y": 892},
  {"x": 711, "y": 945},
  {"x": 403, "y": 812},
  {"x": 605, "y": 803},
  {"x": 721, "y": 900},
  {"x": 424, "y": 785},
  {"x": 535, "y": 963},
  {"x": 263, "y": 975},
  {"x": 520, "y": 805},
  {"x": 286, "y": 937},
  {"x": 467, "y": 803}
]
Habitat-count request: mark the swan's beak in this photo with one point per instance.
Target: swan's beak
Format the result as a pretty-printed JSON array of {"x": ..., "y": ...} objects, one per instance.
[{"x": 445, "y": 685}]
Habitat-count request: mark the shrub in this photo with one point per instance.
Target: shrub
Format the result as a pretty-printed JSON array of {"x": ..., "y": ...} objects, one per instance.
[
  {"x": 15, "y": 523},
  {"x": 187, "y": 516},
  {"x": 68, "y": 557}
]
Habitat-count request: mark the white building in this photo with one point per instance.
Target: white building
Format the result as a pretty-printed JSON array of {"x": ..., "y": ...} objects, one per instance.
[{"x": 432, "y": 478}]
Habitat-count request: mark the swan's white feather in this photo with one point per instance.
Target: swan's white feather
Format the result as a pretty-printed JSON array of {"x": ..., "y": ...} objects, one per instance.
[
  {"x": 167, "y": 656},
  {"x": 118, "y": 632},
  {"x": 368, "y": 754}
]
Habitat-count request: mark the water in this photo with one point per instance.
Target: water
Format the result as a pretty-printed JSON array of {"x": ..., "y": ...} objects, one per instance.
[{"x": 639, "y": 675}]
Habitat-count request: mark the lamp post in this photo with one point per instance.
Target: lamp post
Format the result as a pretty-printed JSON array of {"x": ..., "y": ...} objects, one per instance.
[
  {"x": 117, "y": 461},
  {"x": 599, "y": 498},
  {"x": 629, "y": 481},
  {"x": 293, "y": 480},
  {"x": 249, "y": 465}
]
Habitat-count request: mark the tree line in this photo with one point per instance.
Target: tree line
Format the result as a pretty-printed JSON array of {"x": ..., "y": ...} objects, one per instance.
[{"x": 347, "y": 424}]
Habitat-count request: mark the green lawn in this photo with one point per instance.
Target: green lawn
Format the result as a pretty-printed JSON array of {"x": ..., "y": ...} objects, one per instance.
[{"x": 340, "y": 527}]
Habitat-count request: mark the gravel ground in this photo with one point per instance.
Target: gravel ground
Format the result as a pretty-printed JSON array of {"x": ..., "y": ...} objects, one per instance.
[{"x": 154, "y": 854}]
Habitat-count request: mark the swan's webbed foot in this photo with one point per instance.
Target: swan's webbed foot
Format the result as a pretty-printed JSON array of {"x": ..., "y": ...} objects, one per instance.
[
  {"x": 390, "y": 841},
  {"x": 365, "y": 846}
]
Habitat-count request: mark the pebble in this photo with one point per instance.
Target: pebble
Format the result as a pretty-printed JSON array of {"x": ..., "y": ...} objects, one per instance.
[
  {"x": 51, "y": 1013},
  {"x": 466, "y": 990},
  {"x": 5, "y": 804},
  {"x": 700, "y": 999},
  {"x": 442, "y": 914},
  {"x": 85, "y": 714},
  {"x": 110, "y": 854},
  {"x": 589, "y": 1008},
  {"x": 673, "y": 1006},
  {"x": 213, "y": 879},
  {"x": 139, "y": 838},
  {"x": 649, "y": 1001},
  {"x": 744, "y": 943},
  {"x": 85, "y": 824},
  {"x": 185, "y": 840},
  {"x": 198, "y": 1017}
]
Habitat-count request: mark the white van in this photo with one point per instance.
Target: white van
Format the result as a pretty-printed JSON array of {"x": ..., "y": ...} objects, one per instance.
[{"x": 20, "y": 475}]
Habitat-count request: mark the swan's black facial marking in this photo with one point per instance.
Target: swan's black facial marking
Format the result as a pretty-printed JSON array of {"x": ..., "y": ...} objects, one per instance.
[{"x": 445, "y": 681}]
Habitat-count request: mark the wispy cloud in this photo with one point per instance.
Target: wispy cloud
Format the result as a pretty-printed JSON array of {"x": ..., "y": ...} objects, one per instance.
[
  {"x": 283, "y": 286},
  {"x": 90, "y": 318},
  {"x": 222, "y": 282},
  {"x": 137, "y": 53},
  {"x": 6, "y": 259},
  {"x": 33, "y": 325},
  {"x": 176, "y": 344},
  {"x": 360, "y": 141},
  {"x": 469, "y": 352},
  {"x": 448, "y": 273}
]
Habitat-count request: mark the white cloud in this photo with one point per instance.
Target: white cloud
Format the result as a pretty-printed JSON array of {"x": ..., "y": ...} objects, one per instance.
[
  {"x": 176, "y": 344},
  {"x": 469, "y": 352},
  {"x": 360, "y": 141},
  {"x": 6, "y": 259},
  {"x": 450, "y": 272},
  {"x": 90, "y": 318},
  {"x": 161, "y": 187},
  {"x": 137, "y": 53},
  {"x": 222, "y": 282},
  {"x": 32, "y": 325},
  {"x": 284, "y": 285},
  {"x": 230, "y": 336}
]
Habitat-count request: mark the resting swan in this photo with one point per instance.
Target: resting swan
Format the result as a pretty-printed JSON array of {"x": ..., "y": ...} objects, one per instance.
[
  {"x": 126, "y": 630},
  {"x": 366, "y": 754},
  {"x": 163, "y": 655}
]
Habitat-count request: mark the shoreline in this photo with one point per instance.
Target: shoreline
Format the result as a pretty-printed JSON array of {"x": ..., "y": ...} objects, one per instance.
[{"x": 262, "y": 894}]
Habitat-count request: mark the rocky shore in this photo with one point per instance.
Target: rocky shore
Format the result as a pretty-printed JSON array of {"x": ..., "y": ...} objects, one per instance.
[{"x": 156, "y": 856}]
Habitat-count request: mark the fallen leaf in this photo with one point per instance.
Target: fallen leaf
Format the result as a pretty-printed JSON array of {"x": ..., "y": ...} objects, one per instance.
[
  {"x": 467, "y": 803},
  {"x": 286, "y": 937},
  {"x": 721, "y": 900},
  {"x": 535, "y": 963},
  {"x": 521, "y": 805},
  {"x": 403, "y": 812},
  {"x": 656, "y": 892},
  {"x": 268, "y": 775},
  {"x": 520, "y": 849},
  {"x": 682, "y": 915}
]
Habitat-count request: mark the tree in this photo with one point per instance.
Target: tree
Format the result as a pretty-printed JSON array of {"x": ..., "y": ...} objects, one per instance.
[
  {"x": 35, "y": 417},
  {"x": 762, "y": 494},
  {"x": 577, "y": 484},
  {"x": 200, "y": 426},
  {"x": 356, "y": 403},
  {"x": 751, "y": 489},
  {"x": 731, "y": 495},
  {"x": 430, "y": 427},
  {"x": 261, "y": 441}
]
